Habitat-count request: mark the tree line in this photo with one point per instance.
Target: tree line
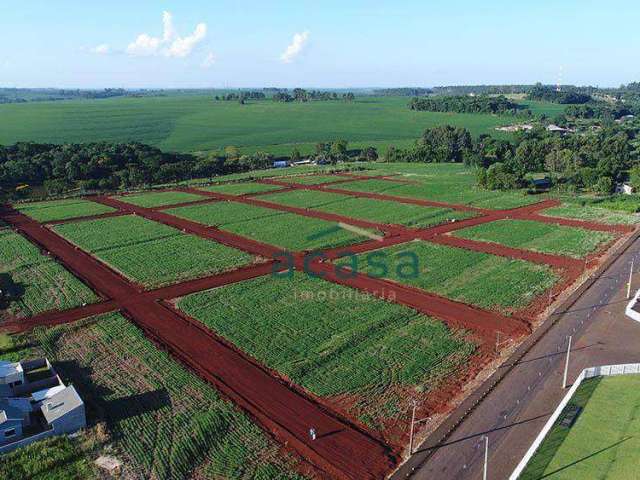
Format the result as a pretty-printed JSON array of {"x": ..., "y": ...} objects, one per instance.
[
  {"x": 465, "y": 104},
  {"x": 564, "y": 95}
]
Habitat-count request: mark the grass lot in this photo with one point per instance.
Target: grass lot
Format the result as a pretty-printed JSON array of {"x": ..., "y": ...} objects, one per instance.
[
  {"x": 367, "y": 209},
  {"x": 285, "y": 230},
  {"x": 159, "y": 199},
  {"x": 151, "y": 253},
  {"x": 163, "y": 421},
  {"x": 594, "y": 214},
  {"x": 541, "y": 237},
  {"x": 332, "y": 340},
  {"x": 62, "y": 209},
  {"x": 36, "y": 282},
  {"x": 241, "y": 188},
  {"x": 477, "y": 278},
  {"x": 449, "y": 183},
  {"x": 196, "y": 122},
  {"x": 604, "y": 441}
]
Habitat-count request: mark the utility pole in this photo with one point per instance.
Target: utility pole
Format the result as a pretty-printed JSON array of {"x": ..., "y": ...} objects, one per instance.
[
  {"x": 629, "y": 284},
  {"x": 566, "y": 364},
  {"x": 486, "y": 457},
  {"x": 413, "y": 421}
]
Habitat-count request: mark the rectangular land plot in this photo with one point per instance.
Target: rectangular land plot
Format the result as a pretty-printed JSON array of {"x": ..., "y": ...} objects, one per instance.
[
  {"x": 537, "y": 236},
  {"x": 241, "y": 188},
  {"x": 36, "y": 283},
  {"x": 150, "y": 253},
  {"x": 164, "y": 420},
  {"x": 62, "y": 209},
  {"x": 592, "y": 214},
  {"x": 159, "y": 199},
  {"x": 455, "y": 189},
  {"x": 281, "y": 229},
  {"x": 333, "y": 340},
  {"x": 378, "y": 211},
  {"x": 314, "y": 179},
  {"x": 480, "y": 279},
  {"x": 604, "y": 440}
]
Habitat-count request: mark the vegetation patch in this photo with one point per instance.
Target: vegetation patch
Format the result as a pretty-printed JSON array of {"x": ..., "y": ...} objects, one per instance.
[
  {"x": 151, "y": 253},
  {"x": 604, "y": 440},
  {"x": 331, "y": 339},
  {"x": 541, "y": 237},
  {"x": 379, "y": 211},
  {"x": 285, "y": 230},
  {"x": 163, "y": 420},
  {"x": 487, "y": 281},
  {"x": 62, "y": 209},
  {"x": 592, "y": 214},
  {"x": 241, "y": 188},
  {"x": 315, "y": 179},
  {"x": 159, "y": 199},
  {"x": 33, "y": 283}
]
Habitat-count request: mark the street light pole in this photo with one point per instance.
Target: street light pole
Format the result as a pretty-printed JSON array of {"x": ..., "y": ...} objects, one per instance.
[
  {"x": 413, "y": 421},
  {"x": 486, "y": 457},
  {"x": 566, "y": 364},
  {"x": 629, "y": 284}
]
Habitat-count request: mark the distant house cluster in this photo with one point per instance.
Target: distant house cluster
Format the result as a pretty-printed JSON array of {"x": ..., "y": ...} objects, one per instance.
[{"x": 35, "y": 404}]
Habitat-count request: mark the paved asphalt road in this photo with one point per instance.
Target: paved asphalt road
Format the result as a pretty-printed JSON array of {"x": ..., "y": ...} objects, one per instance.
[{"x": 513, "y": 414}]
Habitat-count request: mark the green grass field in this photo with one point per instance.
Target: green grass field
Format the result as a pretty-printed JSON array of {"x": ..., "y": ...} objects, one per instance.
[
  {"x": 540, "y": 237},
  {"x": 36, "y": 283},
  {"x": 194, "y": 123},
  {"x": 333, "y": 340},
  {"x": 163, "y": 421},
  {"x": 159, "y": 199},
  {"x": 378, "y": 211},
  {"x": 241, "y": 188},
  {"x": 62, "y": 209},
  {"x": 314, "y": 179},
  {"x": 285, "y": 230},
  {"x": 594, "y": 214},
  {"x": 603, "y": 443},
  {"x": 477, "y": 278},
  {"x": 151, "y": 253}
]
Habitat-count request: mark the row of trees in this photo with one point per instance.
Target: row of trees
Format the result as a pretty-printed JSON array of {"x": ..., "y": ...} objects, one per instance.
[
  {"x": 565, "y": 95},
  {"x": 464, "y": 104},
  {"x": 600, "y": 111},
  {"x": 241, "y": 96},
  {"x": 302, "y": 95}
]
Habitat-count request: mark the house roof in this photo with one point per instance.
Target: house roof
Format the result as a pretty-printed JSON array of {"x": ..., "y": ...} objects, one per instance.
[
  {"x": 46, "y": 393},
  {"x": 8, "y": 368},
  {"x": 61, "y": 403},
  {"x": 7, "y": 412}
]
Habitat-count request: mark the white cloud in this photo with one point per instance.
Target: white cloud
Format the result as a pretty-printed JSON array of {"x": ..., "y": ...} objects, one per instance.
[
  {"x": 208, "y": 61},
  {"x": 170, "y": 44},
  {"x": 297, "y": 46},
  {"x": 102, "y": 49}
]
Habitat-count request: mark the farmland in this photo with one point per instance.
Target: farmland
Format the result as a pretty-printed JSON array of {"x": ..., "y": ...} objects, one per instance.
[
  {"x": 600, "y": 444},
  {"x": 241, "y": 188},
  {"x": 379, "y": 211},
  {"x": 478, "y": 278},
  {"x": 540, "y": 237},
  {"x": 187, "y": 123},
  {"x": 36, "y": 283},
  {"x": 331, "y": 341},
  {"x": 151, "y": 253},
  {"x": 159, "y": 199},
  {"x": 166, "y": 422},
  {"x": 595, "y": 214},
  {"x": 285, "y": 230},
  {"x": 62, "y": 209}
]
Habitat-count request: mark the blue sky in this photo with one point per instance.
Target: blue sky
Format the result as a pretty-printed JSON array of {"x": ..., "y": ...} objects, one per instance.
[{"x": 349, "y": 43}]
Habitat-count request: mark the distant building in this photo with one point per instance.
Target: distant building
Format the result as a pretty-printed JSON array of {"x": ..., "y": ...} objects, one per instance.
[
  {"x": 556, "y": 129},
  {"x": 280, "y": 164},
  {"x": 541, "y": 183},
  {"x": 515, "y": 128},
  {"x": 624, "y": 188},
  {"x": 35, "y": 404}
]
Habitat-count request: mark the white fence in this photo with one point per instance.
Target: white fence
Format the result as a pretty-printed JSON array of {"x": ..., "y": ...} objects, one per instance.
[
  {"x": 630, "y": 312},
  {"x": 603, "y": 371}
]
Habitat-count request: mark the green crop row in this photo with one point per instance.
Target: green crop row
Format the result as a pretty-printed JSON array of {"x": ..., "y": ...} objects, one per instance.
[
  {"x": 159, "y": 199},
  {"x": 62, "y": 209}
]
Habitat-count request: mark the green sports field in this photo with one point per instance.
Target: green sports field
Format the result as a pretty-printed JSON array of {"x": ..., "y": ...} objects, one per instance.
[
  {"x": 62, "y": 209},
  {"x": 188, "y": 123},
  {"x": 150, "y": 253},
  {"x": 477, "y": 278},
  {"x": 332, "y": 340},
  {"x": 36, "y": 283},
  {"x": 604, "y": 441},
  {"x": 285, "y": 230},
  {"x": 378, "y": 211},
  {"x": 540, "y": 237}
]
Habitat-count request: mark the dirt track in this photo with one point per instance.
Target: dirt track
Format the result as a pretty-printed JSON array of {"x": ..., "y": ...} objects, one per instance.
[{"x": 347, "y": 451}]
